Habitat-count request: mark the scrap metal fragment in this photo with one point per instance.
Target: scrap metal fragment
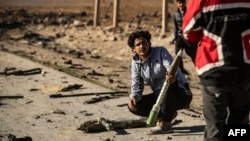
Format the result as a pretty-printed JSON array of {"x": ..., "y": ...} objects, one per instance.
[
  {"x": 11, "y": 137},
  {"x": 107, "y": 124},
  {"x": 94, "y": 126},
  {"x": 95, "y": 73},
  {"x": 97, "y": 99},
  {"x": 71, "y": 87},
  {"x": 34, "y": 89},
  {"x": 58, "y": 111},
  {"x": 13, "y": 71},
  {"x": 11, "y": 96},
  {"x": 101, "y": 74},
  {"x": 121, "y": 93}
]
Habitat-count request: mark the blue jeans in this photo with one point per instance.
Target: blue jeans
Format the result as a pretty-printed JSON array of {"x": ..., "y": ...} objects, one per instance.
[{"x": 224, "y": 105}]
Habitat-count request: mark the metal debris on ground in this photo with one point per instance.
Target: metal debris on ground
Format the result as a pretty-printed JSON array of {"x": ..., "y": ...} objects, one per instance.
[
  {"x": 107, "y": 124},
  {"x": 120, "y": 93},
  {"x": 93, "y": 126},
  {"x": 11, "y": 137},
  {"x": 71, "y": 87},
  {"x": 13, "y": 71},
  {"x": 11, "y": 96},
  {"x": 97, "y": 99},
  {"x": 58, "y": 111}
]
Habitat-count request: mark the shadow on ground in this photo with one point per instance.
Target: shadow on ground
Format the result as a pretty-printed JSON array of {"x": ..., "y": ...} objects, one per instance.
[{"x": 191, "y": 130}]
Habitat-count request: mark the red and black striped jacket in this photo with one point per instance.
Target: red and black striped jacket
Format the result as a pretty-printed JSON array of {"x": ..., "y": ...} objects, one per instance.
[{"x": 222, "y": 30}]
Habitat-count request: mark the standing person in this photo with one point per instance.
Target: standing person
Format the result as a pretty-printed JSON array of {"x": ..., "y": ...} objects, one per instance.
[
  {"x": 222, "y": 29},
  {"x": 178, "y": 39},
  {"x": 150, "y": 65}
]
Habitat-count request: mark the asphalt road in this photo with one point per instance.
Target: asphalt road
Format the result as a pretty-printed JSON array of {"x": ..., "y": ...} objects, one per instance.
[{"x": 42, "y": 118}]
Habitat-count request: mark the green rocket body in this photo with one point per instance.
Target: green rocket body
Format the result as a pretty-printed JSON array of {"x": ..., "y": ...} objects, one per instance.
[{"x": 157, "y": 106}]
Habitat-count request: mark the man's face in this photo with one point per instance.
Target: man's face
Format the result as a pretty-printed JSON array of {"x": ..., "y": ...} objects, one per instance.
[
  {"x": 141, "y": 47},
  {"x": 181, "y": 5}
]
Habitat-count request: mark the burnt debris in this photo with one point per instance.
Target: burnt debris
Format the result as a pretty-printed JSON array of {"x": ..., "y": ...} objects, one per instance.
[{"x": 14, "y": 71}]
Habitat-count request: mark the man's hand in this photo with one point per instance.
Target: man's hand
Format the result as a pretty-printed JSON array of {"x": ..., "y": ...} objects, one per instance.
[
  {"x": 132, "y": 103},
  {"x": 171, "y": 79}
]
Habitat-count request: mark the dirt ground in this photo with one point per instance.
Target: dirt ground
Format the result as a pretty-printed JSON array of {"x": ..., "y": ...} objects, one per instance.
[{"x": 63, "y": 39}]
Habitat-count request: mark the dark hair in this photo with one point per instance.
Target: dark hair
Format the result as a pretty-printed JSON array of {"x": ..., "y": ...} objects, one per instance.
[
  {"x": 181, "y": 1},
  {"x": 138, "y": 34}
]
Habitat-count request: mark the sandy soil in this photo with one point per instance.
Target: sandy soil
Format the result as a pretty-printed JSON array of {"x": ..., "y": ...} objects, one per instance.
[{"x": 60, "y": 38}]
